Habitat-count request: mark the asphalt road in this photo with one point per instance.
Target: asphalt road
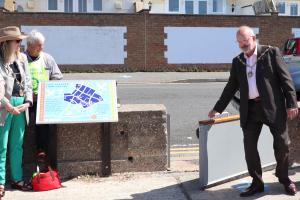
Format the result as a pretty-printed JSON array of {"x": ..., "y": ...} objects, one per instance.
[
  {"x": 187, "y": 103},
  {"x": 187, "y": 96}
]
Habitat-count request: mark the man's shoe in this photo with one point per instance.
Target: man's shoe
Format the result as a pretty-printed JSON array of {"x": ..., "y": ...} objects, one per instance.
[
  {"x": 253, "y": 189},
  {"x": 290, "y": 188}
]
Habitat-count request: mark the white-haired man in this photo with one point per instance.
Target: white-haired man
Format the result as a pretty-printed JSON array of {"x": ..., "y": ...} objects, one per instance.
[
  {"x": 42, "y": 67},
  {"x": 267, "y": 96}
]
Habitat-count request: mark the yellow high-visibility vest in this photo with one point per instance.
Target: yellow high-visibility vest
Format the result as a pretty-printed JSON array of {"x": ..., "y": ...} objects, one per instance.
[{"x": 38, "y": 72}]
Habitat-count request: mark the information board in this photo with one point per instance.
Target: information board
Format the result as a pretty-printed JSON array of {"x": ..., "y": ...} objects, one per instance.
[{"x": 77, "y": 101}]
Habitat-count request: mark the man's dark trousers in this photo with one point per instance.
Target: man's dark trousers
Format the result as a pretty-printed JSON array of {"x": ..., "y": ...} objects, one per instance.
[
  {"x": 255, "y": 121},
  {"x": 42, "y": 132}
]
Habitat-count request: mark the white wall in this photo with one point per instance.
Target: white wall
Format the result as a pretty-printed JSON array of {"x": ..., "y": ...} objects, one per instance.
[
  {"x": 296, "y": 32},
  {"x": 196, "y": 45},
  {"x": 107, "y": 6},
  {"x": 196, "y": 5},
  {"x": 85, "y": 44},
  {"x": 226, "y": 7},
  {"x": 40, "y": 5},
  {"x": 288, "y": 7},
  {"x": 158, "y": 6},
  {"x": 238, "y": 10}
]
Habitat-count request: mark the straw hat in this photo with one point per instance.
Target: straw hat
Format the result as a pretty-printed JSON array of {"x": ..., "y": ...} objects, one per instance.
[{"x": 11, "y": 33}]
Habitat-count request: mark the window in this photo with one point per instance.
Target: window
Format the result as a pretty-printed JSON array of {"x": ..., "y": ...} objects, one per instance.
[
  {"x": 82, "y": 6},
  {"x": 68, "y": 5},
  {"x": 281, "y": 7},
  {"x": 202, "y": 7},
  {"x": 294, "y": 9},
  {"x": 20, "y": 8},
  {"x": 174, "y": 5},
  {"x": 52, "y": 4},
  {"x": 189, "y": 7},
  {"x": 97, "y": 5},
  {"x": 218, "y": 6}
]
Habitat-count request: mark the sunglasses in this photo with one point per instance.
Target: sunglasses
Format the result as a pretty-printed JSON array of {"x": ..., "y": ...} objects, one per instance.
[{"x": 17, "y": 41}]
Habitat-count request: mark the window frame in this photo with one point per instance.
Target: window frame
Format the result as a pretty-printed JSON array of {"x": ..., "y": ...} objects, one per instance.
[
  {"x": 284, "y": 7},
  {"x": 82, "y": 6},
  {"x": 68, "y": 6},
  {"x": 187, "y": 2},
  {"x": 55, "y": 5},
  {"x": 293, "y": 5},
  {"x": 100, "y": 4},
  {"x": 218, "y": 12},
  {"x": 176, "y": 11},
  {"x": 206, "y": 10}
]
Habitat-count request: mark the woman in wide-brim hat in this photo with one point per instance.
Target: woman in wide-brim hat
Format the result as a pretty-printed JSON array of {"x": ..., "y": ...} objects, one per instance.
[
  {"x": 17, "y": 98},
  {"x": 2, "y": 83}
]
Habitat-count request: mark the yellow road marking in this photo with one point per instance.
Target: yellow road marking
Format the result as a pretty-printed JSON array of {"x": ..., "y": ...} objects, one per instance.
[
  {"x": 184, "y": 152},
  {"x": 185, "y": 149}
]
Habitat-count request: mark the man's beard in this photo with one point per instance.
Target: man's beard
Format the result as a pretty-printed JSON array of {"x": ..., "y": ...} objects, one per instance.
[{"x": 246, "y": 48}]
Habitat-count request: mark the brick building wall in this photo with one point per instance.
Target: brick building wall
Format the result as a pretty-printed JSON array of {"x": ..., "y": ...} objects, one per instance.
[{"x": 145, "y": 34}]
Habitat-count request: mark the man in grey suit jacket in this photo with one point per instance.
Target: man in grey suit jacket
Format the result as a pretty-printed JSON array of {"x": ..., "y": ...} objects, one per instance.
[{"x": 267, "y": 96}]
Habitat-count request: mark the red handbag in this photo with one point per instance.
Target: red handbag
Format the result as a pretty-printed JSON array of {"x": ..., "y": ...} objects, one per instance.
[{"x": 43, "y": 181}]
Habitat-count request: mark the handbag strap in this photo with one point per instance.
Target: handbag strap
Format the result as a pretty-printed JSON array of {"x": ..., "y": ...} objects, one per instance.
[
  {"x": 50, "y": 171},
  {"x": 38, "y": 173}
]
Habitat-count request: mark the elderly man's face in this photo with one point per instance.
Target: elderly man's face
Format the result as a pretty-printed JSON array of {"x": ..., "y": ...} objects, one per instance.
[
  {"x": 35, "y": 49},
  {"x": 246, "y": 42}
]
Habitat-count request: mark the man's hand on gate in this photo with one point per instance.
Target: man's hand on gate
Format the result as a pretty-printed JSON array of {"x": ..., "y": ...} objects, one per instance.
[
  {"x": 213, "y": 114},
  {"x": 292, "y": 113}
]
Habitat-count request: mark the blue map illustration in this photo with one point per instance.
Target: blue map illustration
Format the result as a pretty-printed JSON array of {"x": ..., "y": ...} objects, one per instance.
[{"x": 83, "y": 95}]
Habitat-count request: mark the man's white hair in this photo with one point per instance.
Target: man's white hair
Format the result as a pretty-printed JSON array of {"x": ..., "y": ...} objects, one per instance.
[
  {"x": 35, "y": 37},
  {"x": 246, "y": 29}
]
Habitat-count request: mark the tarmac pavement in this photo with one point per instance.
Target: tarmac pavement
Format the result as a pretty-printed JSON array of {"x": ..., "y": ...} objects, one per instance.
[{"x": 157, "y": 186}]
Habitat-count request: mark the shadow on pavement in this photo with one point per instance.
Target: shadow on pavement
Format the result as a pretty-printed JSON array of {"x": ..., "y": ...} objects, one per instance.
[
  {"x": 172, "y": 192},
  {"x": 189, "y": 190}
]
